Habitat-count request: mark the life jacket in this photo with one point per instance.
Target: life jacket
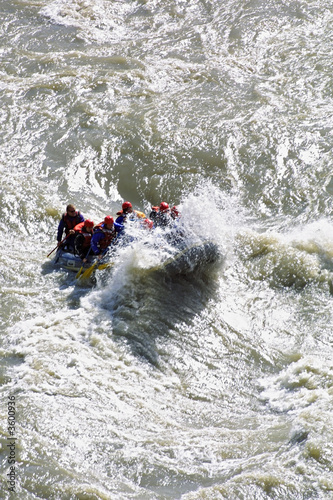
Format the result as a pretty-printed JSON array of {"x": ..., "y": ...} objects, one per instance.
[
  {"x": 140, "y": 215},
  {"x": 80, "y": 229},
  {"x": 70, "y": 222},
  {"x": 110, "y": 235},
  {"x": 154, "y": 214},
  {"x": 160, "y": 218}
]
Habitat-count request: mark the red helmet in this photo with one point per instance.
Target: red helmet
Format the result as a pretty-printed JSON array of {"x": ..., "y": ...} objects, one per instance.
[
  {"x": 88, "y": 223},
  {"x": 126, "y": 205},
  {"x": 175, "y": 211},
  {"x": 164, "y": 206},
  {"x": 147, "y": 223},
  {"x": 108, "y": 219}
]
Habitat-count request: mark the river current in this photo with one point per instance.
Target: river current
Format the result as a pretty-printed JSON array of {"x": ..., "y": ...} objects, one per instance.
[{"x": 211, "y": 384}]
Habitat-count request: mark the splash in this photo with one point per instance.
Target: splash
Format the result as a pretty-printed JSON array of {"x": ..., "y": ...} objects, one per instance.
[
  {"x": 207, "y": 215},
  {"x": 155, "y": 285}
]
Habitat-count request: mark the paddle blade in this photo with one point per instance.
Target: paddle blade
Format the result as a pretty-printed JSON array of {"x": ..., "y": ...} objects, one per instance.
[
  {"x": 88, "y": 272},
  {"x": 79, "y": 273},
  {"x": 104, "y": 266}
]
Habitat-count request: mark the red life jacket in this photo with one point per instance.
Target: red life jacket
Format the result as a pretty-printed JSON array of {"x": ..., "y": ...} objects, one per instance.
[
  {"x": 110, "y": 235},
  {"x": 80, "y": 229},
  {"x": 70, "y": 222}
]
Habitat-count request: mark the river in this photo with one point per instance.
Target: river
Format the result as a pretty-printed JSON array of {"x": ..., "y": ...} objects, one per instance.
[{"x": 205, "y": 385}]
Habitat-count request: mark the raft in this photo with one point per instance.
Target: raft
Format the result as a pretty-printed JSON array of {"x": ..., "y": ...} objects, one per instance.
[
  {"x": 185, "y": 261},
  {"x": 70, "y": 261}
]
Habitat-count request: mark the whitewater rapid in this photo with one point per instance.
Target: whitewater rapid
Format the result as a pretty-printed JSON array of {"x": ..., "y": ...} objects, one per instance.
[{"x": 214, "y": 383}]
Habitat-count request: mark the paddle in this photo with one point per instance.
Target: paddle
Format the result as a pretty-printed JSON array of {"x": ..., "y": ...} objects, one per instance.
[
  {"x": 80, "y": 271},
  {"x": 88, "y": 272},
  {"x": 104, "y": 266},
  {"x": 58, "y": 246}
]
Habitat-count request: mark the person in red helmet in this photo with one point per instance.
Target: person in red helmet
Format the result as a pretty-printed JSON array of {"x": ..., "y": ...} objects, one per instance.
[
  {"x": 84, "y": 232},
  {"x": 104, "y": 235},
  {"x": 174, "y": 212},
  {"x": 127, "y": 214},
  {"x": 108, "y": 220},
  {"x": 164, "y": 207},
  {"x": 127, "y": 207},
  {"x": 161, "y": 215},
  {"x": 154, "y": 214}
]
